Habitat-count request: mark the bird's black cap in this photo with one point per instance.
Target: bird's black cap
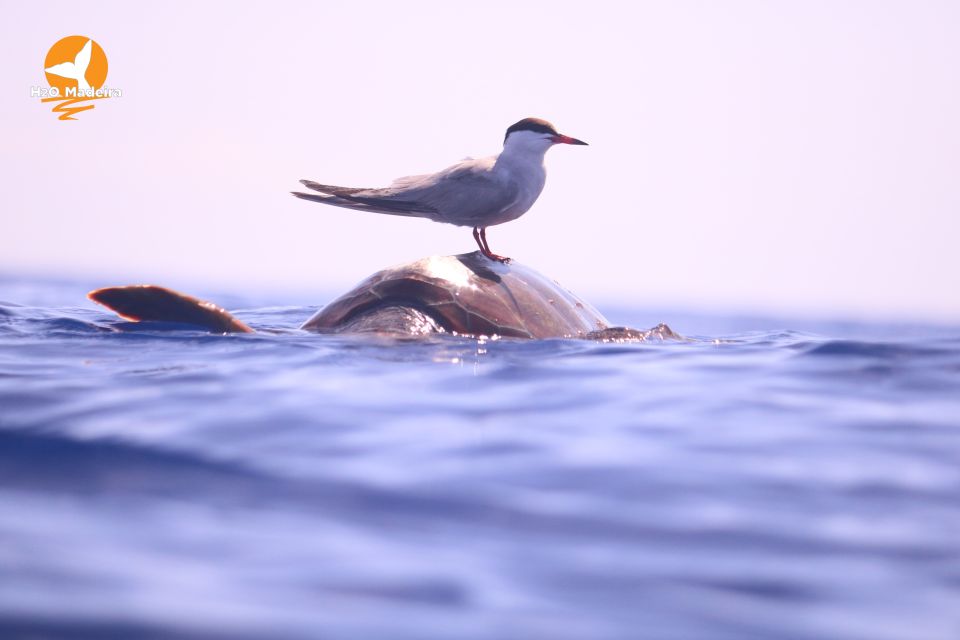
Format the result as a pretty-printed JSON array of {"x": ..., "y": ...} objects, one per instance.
[{"x": 531, "y": 124}]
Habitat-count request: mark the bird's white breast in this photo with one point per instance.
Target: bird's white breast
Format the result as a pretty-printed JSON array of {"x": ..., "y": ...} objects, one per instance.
[{"x": 523, "y": 171}]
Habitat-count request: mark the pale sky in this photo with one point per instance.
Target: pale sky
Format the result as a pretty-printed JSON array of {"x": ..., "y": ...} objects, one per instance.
[{"x": 784, "y": 157}]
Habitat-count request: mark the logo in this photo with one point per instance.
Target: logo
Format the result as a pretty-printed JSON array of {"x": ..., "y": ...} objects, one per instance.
[{"x": 76, "y": 70}]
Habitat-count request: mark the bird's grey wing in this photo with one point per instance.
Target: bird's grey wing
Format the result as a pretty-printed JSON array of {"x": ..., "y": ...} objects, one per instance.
[
  {"x": 467, "y": 194},
  {"x": 375, "y": 200},
  {"x": 345, "y": 203},
  {"x": 332, "y": 189},
  {"x": 462, "y": 194}
]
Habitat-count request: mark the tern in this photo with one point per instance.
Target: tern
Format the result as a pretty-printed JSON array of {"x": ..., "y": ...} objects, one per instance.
[
  {"x": 76, "y": 70},
  {"x": 476, "y": 193}
]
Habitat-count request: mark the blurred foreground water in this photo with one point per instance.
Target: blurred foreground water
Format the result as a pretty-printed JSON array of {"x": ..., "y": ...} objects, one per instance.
[{"x": 159, "y": 482}]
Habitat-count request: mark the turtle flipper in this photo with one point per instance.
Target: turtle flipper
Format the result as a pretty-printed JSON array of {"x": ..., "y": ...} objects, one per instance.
[{"x": 150, "y": 302}]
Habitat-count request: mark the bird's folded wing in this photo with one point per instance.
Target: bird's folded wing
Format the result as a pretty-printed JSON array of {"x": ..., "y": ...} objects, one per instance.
[
  {"x": 332, "y": 189},
  {"x": 391, "y": 208},
  {"x": 464, "y": 191},
  {"x": 379, "y": 200},
  {"x": 467, "y": 194}
]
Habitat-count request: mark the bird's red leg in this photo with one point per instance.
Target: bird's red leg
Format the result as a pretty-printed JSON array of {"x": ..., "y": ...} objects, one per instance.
[
  {"x": 476, "y": 236},
  {"x": 485, "y": 248}
]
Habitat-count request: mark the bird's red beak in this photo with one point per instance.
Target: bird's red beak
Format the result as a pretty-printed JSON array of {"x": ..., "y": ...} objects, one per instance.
[{"x": 560, "y": 139}]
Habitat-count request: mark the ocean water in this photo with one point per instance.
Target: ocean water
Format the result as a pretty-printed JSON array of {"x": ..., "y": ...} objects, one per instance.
[{"x": 772, "y": 479}]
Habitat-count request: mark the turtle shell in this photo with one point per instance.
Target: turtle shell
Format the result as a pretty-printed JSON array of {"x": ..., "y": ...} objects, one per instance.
[{"x": 466, "y": 294}]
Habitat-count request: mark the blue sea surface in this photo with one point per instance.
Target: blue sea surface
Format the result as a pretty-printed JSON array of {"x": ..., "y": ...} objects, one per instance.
[{"x": 772, "y": 479}]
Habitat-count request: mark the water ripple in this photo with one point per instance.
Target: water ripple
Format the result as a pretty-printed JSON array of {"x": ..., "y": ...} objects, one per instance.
[{"x": 765, "y": 484}]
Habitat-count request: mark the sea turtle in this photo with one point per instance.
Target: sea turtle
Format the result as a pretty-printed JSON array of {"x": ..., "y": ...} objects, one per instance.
[{"x": 465, "y": 295}]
